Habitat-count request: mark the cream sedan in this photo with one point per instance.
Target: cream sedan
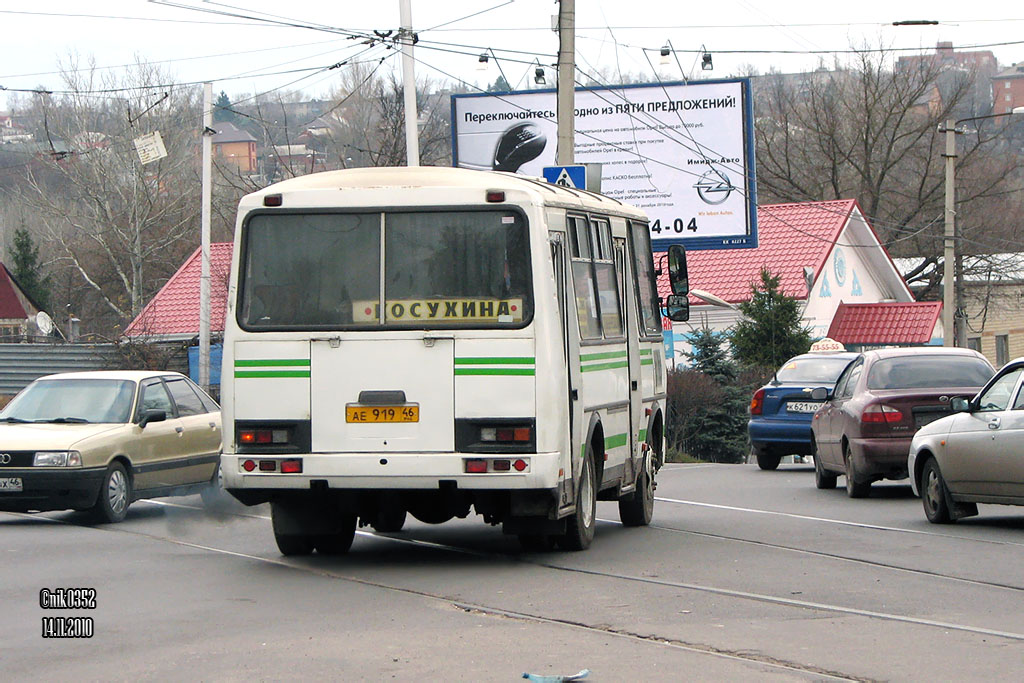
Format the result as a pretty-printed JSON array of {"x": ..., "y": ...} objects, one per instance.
[
  {"x": 975, "y": 455},
  {"x": 98, "y": 441}
]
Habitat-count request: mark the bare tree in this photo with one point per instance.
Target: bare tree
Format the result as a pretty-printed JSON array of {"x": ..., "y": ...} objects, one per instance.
[
  {"x": 120, "y": 227},
  {"x": 367, "y": 121},
  {"x": 868, "y": 132}
]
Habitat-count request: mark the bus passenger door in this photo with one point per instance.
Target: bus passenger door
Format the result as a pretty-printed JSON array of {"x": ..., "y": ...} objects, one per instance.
[
  {"x": 627, "y": 293},
  {"x": 571, "y": 351}
]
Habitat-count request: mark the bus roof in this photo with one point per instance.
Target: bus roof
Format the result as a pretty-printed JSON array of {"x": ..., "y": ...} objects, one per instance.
[{"x": 447, "y": 177}]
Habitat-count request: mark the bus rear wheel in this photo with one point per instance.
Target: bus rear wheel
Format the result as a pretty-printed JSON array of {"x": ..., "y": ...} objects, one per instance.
[
  {"x": 580, "y": 526},
  {"x": 637, "y": 509},
  {"x": 339, "y": 542}
]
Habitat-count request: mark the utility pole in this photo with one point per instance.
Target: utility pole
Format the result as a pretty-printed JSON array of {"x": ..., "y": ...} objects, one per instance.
[
  {"x": 204, "y": 241},
  {"x": 949, "y": 250},
  {"x": 405, "y": 36},
  {"x": 564, "y": 152}
]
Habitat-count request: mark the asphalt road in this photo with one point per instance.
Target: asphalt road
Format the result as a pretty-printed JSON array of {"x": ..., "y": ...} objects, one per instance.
[{"x": 743, "y": 575}]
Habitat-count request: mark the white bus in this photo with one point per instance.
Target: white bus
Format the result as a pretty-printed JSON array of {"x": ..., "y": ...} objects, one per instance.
[{"x": 433, "y": 341}]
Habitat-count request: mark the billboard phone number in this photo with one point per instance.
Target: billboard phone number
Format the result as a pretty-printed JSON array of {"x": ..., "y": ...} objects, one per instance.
[{"x": 676, "y": 226}]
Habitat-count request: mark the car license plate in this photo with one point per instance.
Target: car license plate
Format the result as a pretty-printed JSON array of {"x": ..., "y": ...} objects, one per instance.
[
  {"x": 382, "y": 413},
  {"x": 802, "y": 406},
  {"x": 10, "y": 484}
]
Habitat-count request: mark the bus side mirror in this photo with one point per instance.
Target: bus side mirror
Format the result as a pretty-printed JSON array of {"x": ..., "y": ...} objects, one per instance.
[
  {"x": 677, "y": 308},
  {"x": 677, "y": 274}
]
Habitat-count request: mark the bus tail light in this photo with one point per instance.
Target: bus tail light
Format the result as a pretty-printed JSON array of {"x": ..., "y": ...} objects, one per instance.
[
  {"x": 476, "y": 466},
  {"x": 505, "y": 434},
  {"x": 485, "y": 465},
  {"x": 291, "y": 466}
]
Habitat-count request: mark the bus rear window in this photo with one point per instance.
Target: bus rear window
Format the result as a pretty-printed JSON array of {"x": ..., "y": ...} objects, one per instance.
[{"x": 441, "y": 269}]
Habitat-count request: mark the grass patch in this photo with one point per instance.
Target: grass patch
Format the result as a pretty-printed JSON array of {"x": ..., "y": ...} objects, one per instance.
[{"x": 678, "y": 456}]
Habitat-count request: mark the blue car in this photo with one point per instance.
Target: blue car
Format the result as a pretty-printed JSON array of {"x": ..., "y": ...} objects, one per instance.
[{"x": 781, "y": 411}]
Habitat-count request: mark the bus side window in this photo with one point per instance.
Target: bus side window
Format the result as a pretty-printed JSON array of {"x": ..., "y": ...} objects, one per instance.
[
  {"x": 609, "y": 303},
  {"x": 583, "y": 279}
]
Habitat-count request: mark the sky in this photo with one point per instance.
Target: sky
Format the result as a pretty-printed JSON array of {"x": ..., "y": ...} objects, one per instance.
[{"x": 256, "y": 53}]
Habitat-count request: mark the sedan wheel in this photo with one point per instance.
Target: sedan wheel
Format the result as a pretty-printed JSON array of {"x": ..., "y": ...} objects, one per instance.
[
  {"x": 823, "y": 479},
  {"x": 767, "y": 461},
  {"x": 854, "y": 488},
  {"x": 115, "y": 495},
  {"x": 933, "y": 494}
]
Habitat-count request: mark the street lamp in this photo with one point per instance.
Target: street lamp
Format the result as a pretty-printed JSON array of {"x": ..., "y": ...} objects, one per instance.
[
  {"x": 952, "y": 331},
  {"x": 713, "y": 299}
]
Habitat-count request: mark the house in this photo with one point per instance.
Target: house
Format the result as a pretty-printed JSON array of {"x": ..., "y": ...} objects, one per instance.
[
  {"x": 234, "y": 146},
  {"x": 993, "y": 286},
  {"x": 11, "y": 131},
  {"x": 173, "y": 314},
  {"x": 826, "y": 255},
  {"x": 1008, "y": 89},
  {"x": 17, "y": 310}
]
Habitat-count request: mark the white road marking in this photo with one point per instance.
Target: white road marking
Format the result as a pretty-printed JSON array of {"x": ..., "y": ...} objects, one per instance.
[{"x": 826, "y": 520}]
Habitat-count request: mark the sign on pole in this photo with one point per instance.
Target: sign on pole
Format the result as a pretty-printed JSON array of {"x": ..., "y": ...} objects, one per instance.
[
  {"x": 567, "y": 176},
  {"x": 683, "y": 153},
  {"x": 150, "y": 148}
]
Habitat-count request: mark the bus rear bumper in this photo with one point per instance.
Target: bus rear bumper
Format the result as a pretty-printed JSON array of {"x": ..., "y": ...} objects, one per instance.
[{"x": 421, "y": 471}]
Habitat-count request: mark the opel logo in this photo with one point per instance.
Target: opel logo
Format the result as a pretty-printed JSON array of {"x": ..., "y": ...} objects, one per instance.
[{"x": 5, "y": 458}]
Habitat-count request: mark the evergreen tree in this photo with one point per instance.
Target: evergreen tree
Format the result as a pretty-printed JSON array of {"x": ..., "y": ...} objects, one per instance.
[
  {"x": 499, "y": 85},
  {"x": 222, "y": 109},
  {"x": 716, "y": 431},
  {"x": 27, "y": 271},
  {"x": 771, "y": 330}
]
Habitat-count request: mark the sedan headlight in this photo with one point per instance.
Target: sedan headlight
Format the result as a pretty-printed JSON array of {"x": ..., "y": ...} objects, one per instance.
[{"x": 57, "y": 459}]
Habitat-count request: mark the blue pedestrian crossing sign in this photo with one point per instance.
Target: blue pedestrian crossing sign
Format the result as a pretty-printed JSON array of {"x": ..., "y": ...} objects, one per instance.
[{"x": 567, "y": 176}]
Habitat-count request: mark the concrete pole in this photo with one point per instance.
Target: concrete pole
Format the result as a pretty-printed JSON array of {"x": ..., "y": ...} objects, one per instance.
[
  {"x": 412, "y": 141},
  {"x": 564, "y": 152},
  {"x": 949, "y": 250},
  {"x": 204, "y": 241}
]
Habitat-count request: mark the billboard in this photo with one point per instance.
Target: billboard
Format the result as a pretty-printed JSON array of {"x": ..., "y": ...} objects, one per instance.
[{"x": 682, "y": 152}]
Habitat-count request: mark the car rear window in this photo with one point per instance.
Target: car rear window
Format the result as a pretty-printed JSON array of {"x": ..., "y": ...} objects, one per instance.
[
  {"x": 812, "y": 370},
  {"x": 926, "y": 372}
]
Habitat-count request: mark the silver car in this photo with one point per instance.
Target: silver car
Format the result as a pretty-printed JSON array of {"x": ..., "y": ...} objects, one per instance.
[{"x": 975, "y": 455}]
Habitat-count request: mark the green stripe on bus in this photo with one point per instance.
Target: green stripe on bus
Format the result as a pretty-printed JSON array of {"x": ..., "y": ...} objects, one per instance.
[
  {"x": 495, "y": 361},
  {"x": 615, "y": 441},
  {"x": 271, "y": 362},
  {"x": 271, "y": 373},
  {"x": 599, "y": 356},
  {"x": 645, "y": 352},
  {"x": 495, "y": 371},
  {"x": 646, "y": 361},
  {"x": 604, "y": 366}
]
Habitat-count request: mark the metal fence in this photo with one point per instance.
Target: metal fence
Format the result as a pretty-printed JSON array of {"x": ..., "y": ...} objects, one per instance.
[{"x": 20, "y": 364}]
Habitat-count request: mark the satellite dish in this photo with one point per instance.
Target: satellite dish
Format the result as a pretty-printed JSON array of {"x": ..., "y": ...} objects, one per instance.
[{"x": 44, "y": 322}]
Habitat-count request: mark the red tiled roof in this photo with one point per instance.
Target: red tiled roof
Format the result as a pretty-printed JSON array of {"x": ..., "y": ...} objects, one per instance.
[
  {"x": 10, "y": 305},
  {"x": 789, "y": 237},
  {"x": 175, "y": 308},
  {"x": 891, "y": 323}
]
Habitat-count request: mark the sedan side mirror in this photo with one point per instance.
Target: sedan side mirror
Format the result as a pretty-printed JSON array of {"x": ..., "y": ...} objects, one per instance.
[
  {"x": 152, "y": 415},
  {"x": 819, "y": 394},
  {"x": 959, "y": 404}
]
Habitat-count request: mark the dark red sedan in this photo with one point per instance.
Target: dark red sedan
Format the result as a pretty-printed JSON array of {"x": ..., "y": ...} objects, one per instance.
[{"x": 864, "y": 427}]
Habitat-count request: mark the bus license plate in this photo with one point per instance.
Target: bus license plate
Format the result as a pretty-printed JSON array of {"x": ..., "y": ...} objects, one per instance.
[
  {"x": 382, "y": 413},
  {"x": 10, "y": 484}
]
